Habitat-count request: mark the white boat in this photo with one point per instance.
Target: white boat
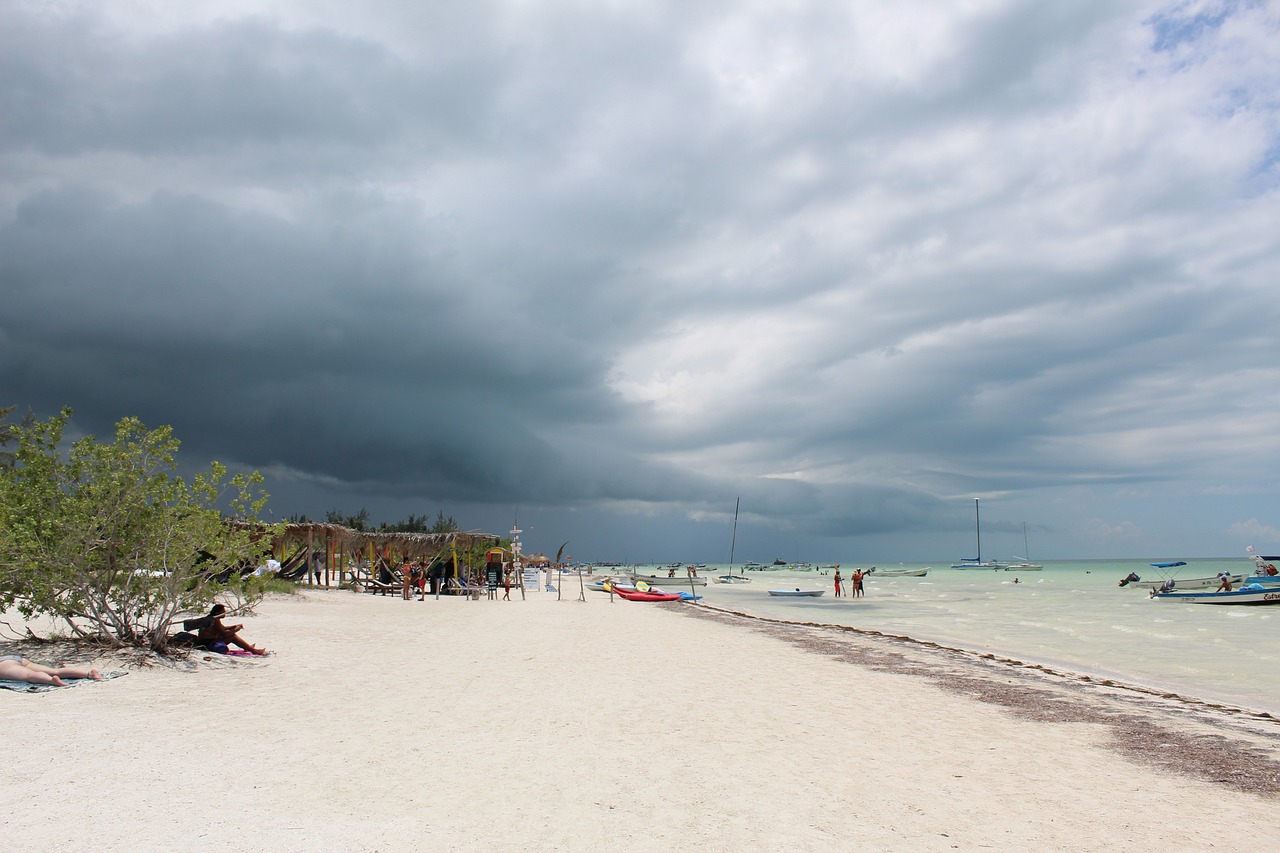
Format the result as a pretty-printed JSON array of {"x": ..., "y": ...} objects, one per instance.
[
  {"x": 797, "y": 593},
  {"x": 733, "y": 541},
  {"x": 1026, "y": 565},
  {"x": 1265, "y": 570},
  {"x": 977, "y": 562},
  {"x": 1169, "y": 582},
  {"x": 675, "y": 582},
  {"x": 900, "y": 573},
  {"x": 1250, "y": 593}
]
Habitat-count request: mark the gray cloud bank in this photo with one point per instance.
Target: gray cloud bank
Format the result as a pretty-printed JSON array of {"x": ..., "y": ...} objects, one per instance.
[{"x": 619, "y": 265}]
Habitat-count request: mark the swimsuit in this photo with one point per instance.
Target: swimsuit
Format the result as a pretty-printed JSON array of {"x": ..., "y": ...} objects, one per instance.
[{"x": 17, "y": 658}]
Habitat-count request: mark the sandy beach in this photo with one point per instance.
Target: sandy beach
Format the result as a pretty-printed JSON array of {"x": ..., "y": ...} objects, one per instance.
[{"x": 450, "y": 724}]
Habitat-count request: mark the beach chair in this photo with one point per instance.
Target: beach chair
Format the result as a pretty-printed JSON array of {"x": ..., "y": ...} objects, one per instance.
[
  {"x": 461, "y": 587},
  {"x": 387, "y": 582}
]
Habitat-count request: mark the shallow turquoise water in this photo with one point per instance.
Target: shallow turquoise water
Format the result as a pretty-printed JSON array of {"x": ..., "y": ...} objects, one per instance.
[{"x": 1071, "y": 615}]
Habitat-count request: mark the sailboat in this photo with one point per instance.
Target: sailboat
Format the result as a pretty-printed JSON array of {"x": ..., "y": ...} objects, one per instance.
[
  {"x": 977, "y": 562},
  {"x": 1026, "y": 565},
  {"x": 731, "y": 577}
]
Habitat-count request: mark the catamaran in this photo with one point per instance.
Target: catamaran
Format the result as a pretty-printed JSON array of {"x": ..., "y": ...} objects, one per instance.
[{"x": 977, "y": 562}]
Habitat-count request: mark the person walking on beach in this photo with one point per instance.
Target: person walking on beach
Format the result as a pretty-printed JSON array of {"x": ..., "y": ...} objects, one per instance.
[{"x": 838, "y": 579}]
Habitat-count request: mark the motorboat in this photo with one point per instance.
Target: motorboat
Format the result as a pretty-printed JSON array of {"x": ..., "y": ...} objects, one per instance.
[
  {"x": 1250, "y": 593},
  {"x": 673, "y": 580},
  {"x": 1168, "y": 582}
]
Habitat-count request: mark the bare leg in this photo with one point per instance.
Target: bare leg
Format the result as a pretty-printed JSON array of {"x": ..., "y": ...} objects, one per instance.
[
  {"x": 34, "y": 673},
  {"x": 66, "y": 671},
  {"x": 236, "y": 639}
]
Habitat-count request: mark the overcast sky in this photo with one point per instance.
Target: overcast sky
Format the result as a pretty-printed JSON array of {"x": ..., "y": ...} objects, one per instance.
[{"x": 613, "y": 265}]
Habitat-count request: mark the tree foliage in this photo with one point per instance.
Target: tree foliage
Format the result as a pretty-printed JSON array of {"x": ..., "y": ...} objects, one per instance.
[
  {"x": 413, "y": 524},
  {"x": 109, "y": 540}
]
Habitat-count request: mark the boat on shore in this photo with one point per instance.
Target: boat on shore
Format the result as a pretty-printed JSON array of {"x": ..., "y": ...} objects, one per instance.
[
  {"x": 648, "y": 595},
  {"x": 797, "y": 593}
]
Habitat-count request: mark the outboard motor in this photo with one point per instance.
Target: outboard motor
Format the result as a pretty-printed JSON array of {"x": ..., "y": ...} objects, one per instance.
[{"x": 1132, "y": 578}]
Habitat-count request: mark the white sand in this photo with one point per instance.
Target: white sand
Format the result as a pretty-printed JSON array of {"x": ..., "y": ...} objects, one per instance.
[{"x": 561, "y": 725}]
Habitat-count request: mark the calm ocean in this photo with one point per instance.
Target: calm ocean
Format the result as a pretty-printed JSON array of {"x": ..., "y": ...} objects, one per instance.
[{"x": 1072, "y": 615}]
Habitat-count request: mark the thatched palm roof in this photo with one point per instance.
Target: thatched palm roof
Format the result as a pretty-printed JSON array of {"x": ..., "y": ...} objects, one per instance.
[{"x": 415, "y": 546}]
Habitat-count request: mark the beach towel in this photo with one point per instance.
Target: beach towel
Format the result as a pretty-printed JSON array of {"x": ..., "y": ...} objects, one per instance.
[{"x": 25, "y": 687}]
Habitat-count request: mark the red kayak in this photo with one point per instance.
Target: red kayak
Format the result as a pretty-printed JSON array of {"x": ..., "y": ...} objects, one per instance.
[{"x": 637, "y": 595}]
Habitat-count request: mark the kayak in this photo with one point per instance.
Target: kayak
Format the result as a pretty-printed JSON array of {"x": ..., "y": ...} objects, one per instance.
[
  {"x": 637, "y": 595},
  {"x": 798, "y": 593}
]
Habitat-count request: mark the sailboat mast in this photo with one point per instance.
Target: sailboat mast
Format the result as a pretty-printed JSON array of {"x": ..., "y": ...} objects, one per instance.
[
  {"x": 977, "y": 526},
  {"x": 734, "y": 540}
]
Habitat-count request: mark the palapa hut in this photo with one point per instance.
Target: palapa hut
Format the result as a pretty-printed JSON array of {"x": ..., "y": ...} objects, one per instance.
[{"x": 320, "y": 552}]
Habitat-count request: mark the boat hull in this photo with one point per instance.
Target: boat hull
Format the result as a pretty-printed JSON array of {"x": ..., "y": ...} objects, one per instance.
[
  {"x": 636, "y": 595},
  {"x": 909, "y": 573},
  {"x": 1259, "y": 595},
  {"x": 676, "y": 581},
  {"x": 797, "y": 593},
  {"x": 1184, "y": 584}
]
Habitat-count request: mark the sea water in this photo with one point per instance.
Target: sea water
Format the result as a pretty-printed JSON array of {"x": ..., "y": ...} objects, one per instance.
[{"x": 1071, "y": 615}]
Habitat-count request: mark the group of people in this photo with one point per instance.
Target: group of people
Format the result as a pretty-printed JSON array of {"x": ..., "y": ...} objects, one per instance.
[
  {"x": 213, "y": 632},
  {"x": 414, "y": 576},
  {"x": 855, "y": 583}
]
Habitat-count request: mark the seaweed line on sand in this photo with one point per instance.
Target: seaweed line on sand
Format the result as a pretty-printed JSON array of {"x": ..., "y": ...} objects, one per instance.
[{"x": 1234, "y": 747}]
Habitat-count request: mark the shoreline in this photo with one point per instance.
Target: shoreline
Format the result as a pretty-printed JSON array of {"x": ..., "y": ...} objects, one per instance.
[
  {"x": 379, "y": 724},
  {"x": 1250, "y": 763}
]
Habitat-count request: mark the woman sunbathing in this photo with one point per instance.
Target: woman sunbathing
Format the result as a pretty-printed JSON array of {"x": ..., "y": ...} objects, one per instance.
[
  {"x": 213, "y": 631},
  {"x": 15, "y": 668}
]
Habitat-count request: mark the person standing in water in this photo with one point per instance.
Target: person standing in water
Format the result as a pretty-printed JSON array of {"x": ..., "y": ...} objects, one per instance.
[{"x": 838, "y": 579}]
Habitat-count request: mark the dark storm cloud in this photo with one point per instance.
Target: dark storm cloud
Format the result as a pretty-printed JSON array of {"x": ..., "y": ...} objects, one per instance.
[{"x": 854, "y": 265}]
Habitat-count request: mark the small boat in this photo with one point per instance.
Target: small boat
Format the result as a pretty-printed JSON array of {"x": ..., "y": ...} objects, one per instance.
[
  {"x": 1250, "y": 593},
  {"x": 977, "y": 562},
  {"x": 797, "y": 593},
  {"x": 650, "y": 595},
  {"x": 1265, "y": 567},
  {"x": 1168, "y": 582},
  {"x": 606, "y": 586},
  {"x": 779, "y": 562},
  {"x": 900, "y": 573},
  {"x": 733, "y": 541},
  {"x": 1026, "y": 565},
  {"x": 669, "y": 581}
]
